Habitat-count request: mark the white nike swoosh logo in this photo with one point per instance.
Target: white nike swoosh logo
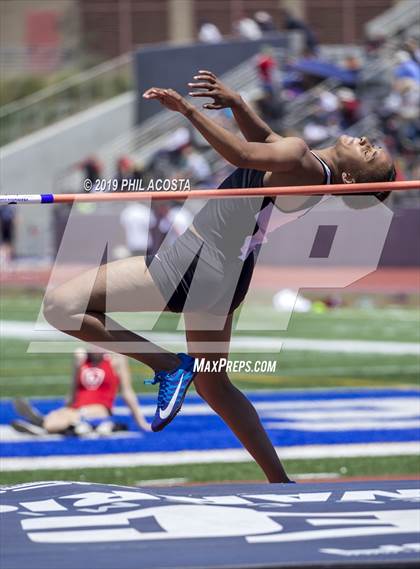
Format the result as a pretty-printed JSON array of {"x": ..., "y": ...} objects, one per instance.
[{"x": 164, "y": 413}]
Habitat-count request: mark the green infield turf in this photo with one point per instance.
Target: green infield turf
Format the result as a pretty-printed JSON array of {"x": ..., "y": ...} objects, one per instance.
[
  {"x": 31, "y": 375},
  {"x": 380, "y": 320},
  {"x": 328, "y": 468},
  {"x": 39, "y": 374}
]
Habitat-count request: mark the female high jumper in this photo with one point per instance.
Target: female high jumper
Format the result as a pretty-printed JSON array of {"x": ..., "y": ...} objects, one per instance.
[{"x": 206, "y": 272}]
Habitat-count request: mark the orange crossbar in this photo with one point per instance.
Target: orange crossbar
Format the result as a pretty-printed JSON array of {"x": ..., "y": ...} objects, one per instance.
[
  {"x": 212, "y": 193},
  {"x": 240, "y": 192}
]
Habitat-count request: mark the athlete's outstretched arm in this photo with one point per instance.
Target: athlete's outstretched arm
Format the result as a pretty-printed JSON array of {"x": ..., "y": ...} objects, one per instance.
[
  {"x": 251, "y": 125},
  {"x": 280, "y": 156}
]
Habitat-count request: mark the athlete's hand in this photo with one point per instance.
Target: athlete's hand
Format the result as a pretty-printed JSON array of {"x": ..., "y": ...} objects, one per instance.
[
  {"x": 211, "y": 86},
  {"x": 169, "y": 99}
]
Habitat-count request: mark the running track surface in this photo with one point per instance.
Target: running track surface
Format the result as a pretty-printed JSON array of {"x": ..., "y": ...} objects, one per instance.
[
  {"x": 385, "y": 279},
  {"x": 292, "y": 418}
]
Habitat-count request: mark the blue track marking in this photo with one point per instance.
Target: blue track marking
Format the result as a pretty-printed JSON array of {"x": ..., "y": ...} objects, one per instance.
[{"x": 292, "y": 418}]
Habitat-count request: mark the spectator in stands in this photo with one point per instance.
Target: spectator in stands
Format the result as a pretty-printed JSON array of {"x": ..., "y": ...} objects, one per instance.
[
  {"x": 139, "y": 171},
  {"x": 196, "y": 168},
  {"x": 328, "y": 102},
  {"x": 137, "y": 220},
  {"x": 209, "y": 33},
  {"x": 7, "y": 233},
  {"x": 178, "y": 139},
  {"x": 160, "y": 164},
  {"x": 161, "y": 227},
  {"x": 291, "y": 22},
  {"x": 171, "y": 221},
  {"x": 373, "y": 46},
  {"x": 407, "y": 67},
  {"x": 247, "y": 28},
  {"x": 268, "y": 70},
  {"x": 175, "y": 143},
  {"x": 404, "y": 92},
  {"x": 316, "y": 132},
  {"x": 353, "y": 63},
  {"x": 404, "y": 98},
  {"x": 349, "y": 107},
  {"x": 180, "y": 219},
  {"x": 96, "y": 381},
  {"x": 92, "y": 169},
  {"x": 265, "y": 22},
  {"x": 411, "y": 46},
  {"x": 271, "y": 108},
  {"x": 125, "y": 170}
]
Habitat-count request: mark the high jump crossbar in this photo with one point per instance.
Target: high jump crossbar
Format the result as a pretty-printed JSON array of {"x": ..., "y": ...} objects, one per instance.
[{"x": 95, "y": 196}]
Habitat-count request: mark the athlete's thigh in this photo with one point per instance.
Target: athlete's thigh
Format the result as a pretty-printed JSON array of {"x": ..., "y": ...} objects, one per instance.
[
  {"x": 129, "y": 287},
  {"x": 120, "y": 286}
]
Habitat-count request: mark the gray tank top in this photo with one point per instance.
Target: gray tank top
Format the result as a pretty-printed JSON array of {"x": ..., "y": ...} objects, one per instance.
[{"x": 228, "y": 224}]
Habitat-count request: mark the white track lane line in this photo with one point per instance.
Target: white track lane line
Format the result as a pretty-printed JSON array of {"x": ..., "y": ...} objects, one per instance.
[
  {"x": 205, "y": 457},
  {"x": 27, "y": 331}
]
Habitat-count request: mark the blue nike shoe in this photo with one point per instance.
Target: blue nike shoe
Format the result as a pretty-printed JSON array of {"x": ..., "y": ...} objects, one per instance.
[{"x": 173, "y": 386}]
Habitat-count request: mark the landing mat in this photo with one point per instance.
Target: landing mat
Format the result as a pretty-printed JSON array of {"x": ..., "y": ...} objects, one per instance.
[{"x": 50, "y": 525}]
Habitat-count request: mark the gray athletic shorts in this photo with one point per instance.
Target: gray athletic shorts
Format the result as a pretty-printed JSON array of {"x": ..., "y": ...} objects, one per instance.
[{"x": 193, "y": 276}]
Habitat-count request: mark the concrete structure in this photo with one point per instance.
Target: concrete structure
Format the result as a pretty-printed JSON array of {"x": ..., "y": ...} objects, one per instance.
[{"x": 33, "y": 163}]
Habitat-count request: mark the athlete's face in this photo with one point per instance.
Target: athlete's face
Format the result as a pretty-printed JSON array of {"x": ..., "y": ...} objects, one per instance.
[{"x": 362, "y": 161}]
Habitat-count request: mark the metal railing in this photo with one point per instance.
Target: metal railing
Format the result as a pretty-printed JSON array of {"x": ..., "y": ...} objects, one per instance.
[
  {"x": 399, "y": 18},
  {"x": 70, "y": 96}
]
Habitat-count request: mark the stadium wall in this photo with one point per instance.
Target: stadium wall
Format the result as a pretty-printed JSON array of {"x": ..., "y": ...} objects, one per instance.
[{"x": 174, "y": 66}]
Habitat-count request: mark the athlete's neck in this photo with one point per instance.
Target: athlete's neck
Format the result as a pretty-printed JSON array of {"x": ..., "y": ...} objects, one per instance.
[{"x": 329, "y": 156}]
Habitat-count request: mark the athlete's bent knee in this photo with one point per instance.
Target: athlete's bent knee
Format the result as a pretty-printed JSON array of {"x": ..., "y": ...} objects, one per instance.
[{"x": 57, "y": 309}]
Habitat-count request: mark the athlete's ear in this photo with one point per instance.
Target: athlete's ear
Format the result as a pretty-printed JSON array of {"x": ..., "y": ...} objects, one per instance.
[{"x": 347, "y": 178}]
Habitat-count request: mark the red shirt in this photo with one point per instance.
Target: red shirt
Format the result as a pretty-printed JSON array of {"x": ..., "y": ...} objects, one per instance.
[
  {"x": 96, "y": 385},
  {"x": 266, "y": 64}
]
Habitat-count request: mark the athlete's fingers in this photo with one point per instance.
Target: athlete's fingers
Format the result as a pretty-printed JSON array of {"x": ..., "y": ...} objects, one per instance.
[
  {"x": 149, "y": 93},
  {"x": 208, "y": 78},
  {"x": 151, "y": 96},
  {"x": 200, "y": 85},
  {"x": 155, "y": 96},
  {"x": 207, "y": 72},
  {"x": 153, "y": 91},
  {"x": 212, "y": 106},
  {"x": 201, "y": 94}
]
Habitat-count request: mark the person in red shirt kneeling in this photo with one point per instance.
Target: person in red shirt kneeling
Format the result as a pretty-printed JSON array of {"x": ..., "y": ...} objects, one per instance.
[{"x": 98, "y": 377}]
